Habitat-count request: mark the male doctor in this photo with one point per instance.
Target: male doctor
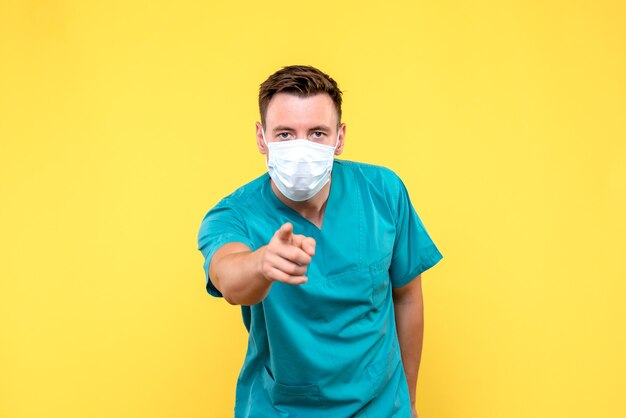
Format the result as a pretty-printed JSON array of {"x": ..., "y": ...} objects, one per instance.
[{"x": 325, "y": 257}]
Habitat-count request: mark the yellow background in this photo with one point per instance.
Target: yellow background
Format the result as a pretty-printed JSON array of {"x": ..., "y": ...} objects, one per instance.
[{"x": 122, "y": 123}]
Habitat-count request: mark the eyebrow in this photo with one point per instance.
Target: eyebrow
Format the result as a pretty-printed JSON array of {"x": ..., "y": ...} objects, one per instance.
[
  {"x": 283, "y": 128},
  {"x": 320, "y": 128},
  {"x": 315, "y": 128}
]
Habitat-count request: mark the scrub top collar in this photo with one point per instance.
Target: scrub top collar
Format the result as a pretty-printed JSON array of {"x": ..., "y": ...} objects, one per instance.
[{"x": 334, "y": 192}]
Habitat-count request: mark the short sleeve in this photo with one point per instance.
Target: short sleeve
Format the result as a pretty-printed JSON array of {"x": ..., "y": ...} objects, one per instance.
[
  {"x": 414, "y": 251},
  {"x": 221, "y": 225}
]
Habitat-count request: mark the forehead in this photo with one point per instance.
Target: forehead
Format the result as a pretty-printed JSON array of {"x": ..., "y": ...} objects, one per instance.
[{"x": 291, "y": 109}]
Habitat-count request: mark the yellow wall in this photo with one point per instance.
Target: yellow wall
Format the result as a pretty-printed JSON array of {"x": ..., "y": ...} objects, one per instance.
[{"x": 122, "y": 123}]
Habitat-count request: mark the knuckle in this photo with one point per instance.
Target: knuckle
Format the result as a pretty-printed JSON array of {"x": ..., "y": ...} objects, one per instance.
[
  {"x": 296, "y": 254},
  {"x": 273, "y": 248},
  {"x": 266, "y": 269},
  {"x": 289, "y": 269},
  {"x": 290, "y": 253},
  {"x": 295, "y": 270}
]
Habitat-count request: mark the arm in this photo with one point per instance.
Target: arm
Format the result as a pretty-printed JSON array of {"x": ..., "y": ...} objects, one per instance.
[
  {"x": 235, "y": 272},
  {"x": 244, "y": 277},
  {"x": 409, "y": 310}
]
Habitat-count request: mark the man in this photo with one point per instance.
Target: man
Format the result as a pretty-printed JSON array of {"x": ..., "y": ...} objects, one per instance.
[{"x": 325, "y": 258}]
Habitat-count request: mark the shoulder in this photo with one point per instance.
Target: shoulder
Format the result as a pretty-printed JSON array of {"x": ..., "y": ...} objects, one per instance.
[
  {"x": 367, "y": 169},
  {"x": 371, "y": 175},
  {"x": 235, "y": 206},
  {"x": 245, "y": 195},
  {"x": 377, "y": 184}
]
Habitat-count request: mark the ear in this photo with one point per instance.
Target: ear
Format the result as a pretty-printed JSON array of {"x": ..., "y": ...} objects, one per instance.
[
  {"x": 259, "y": 139},
  {"x": 341, "y": 140}
]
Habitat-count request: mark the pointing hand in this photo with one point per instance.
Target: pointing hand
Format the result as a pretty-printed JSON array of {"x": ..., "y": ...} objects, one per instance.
[{"x": 287, "y": 256}]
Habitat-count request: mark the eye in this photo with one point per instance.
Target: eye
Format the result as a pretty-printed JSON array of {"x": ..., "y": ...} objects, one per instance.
[
  {"x": 283, "y": 135},
  {"x": 318, "y": 134}
]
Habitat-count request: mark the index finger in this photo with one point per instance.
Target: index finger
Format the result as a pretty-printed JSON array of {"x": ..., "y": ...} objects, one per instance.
[{"x": 284, "y": 232}]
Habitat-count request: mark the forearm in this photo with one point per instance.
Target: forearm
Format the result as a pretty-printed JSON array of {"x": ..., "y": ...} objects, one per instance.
[
  {"x": 237, "y": 275},
  {"x": 410, "y": 328},
  {"x": 244, "y": 277}
]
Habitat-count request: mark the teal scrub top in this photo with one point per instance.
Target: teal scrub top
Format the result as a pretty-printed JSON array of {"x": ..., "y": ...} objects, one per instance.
[{"x": 327, "y": 348}]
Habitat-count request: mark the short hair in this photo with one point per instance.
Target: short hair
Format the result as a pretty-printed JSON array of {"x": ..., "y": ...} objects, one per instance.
[{"x": 301, "y": 80}]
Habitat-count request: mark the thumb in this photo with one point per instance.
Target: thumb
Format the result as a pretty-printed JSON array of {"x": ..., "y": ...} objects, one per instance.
[{"x": 308, "y": 245}]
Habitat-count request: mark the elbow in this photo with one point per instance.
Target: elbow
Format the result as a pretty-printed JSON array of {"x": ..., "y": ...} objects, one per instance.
[
  {"x": 227, "y": 292},
  {"x": 230, "y": 299},
  {"x": 238, "y": 299},
  {"x": 229, "y": 295}
]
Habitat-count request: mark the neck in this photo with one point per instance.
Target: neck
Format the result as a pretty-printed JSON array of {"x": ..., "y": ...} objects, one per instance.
[{"x": 312, "y": 209}]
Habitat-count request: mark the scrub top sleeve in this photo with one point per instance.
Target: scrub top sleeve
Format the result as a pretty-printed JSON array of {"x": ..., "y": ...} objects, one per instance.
[
  {"x": 221, "y": 225},
  {"x": 414, "y": 251}
]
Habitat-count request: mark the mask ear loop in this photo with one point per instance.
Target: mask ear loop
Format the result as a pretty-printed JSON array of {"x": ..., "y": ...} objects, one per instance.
[
  {"x": 264, "y": 140},
  {"x": 338, "y": 133}
]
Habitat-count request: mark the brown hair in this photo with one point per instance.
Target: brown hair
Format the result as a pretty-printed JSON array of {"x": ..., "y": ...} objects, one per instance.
[{"x": 301, "y": 80}]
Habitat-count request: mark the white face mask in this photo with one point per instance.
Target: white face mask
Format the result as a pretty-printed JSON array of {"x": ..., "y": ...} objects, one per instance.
[{"x": 299, "y": 167}]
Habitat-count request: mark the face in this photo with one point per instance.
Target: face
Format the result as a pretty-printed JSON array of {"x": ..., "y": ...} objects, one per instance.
[{"x": 292, "y": 117}]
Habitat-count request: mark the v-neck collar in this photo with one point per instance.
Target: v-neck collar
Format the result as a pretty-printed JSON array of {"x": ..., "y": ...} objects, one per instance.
[{"x": 335, "y": 185}]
